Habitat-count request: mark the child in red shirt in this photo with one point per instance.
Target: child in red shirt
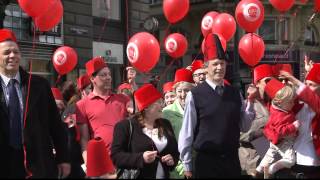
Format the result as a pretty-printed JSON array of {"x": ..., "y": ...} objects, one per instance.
[{"x": 281, "y": 128}]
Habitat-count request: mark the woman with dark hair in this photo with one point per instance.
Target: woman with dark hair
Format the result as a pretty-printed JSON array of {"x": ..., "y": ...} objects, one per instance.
[{"x": 153, "y": 148}]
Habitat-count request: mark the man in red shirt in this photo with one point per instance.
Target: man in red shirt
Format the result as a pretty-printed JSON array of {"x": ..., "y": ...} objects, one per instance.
[{"x": 97, "y": 113}]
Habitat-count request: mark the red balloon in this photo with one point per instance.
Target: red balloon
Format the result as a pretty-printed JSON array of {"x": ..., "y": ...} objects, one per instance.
[
  {"x": 176, "y": 45},
  {"x": 317, "y": 6},
  {"x": 64, "y": 59},
  {"x": 250, "y": 14},
  {"x": 143, "y": 51},
  {"x": 251, "y": 49},
  {"x": 222, "y": 40},
  {"x": 35, "y": 8},
  {"x": 51, "y": 18},
  {"x": 225, "y": 25},
  {"x": 207, "y": 21},
  {"x": 282, "y": 5},
  {"x": 175, "y": 10}
]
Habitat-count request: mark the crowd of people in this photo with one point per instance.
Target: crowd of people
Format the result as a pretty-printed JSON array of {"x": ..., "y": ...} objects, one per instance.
[{"x": 199, "y": 126}]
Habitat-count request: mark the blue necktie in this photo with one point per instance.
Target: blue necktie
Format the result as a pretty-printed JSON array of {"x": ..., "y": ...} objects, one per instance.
[{"x": 14, "y": 116}]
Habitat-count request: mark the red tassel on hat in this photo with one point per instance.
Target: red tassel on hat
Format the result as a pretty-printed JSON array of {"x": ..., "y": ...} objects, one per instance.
[
  {"x": 262, "y": 71},
  {"x": 6, "y": 34},
  {"x": 57, "y": 94},
  {"x": 98, "y": 159},
  {"x": 95, "y": 65},
  {"x": 146, "y": 95},
  {"x": 272, "y": 87}
]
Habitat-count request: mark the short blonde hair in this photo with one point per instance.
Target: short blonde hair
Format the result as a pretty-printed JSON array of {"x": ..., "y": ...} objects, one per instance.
[{"x": 284, "y": 95}]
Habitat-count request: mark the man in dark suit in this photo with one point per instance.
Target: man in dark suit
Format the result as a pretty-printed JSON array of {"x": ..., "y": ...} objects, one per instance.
[{"x": 33, "y": 138}]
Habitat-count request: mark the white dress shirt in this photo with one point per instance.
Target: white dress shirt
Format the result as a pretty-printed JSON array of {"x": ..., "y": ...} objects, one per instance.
[{"x": 5, "y": 82}]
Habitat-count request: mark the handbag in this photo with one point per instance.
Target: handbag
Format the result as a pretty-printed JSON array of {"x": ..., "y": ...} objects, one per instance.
[{"x": 128, "y": 173}]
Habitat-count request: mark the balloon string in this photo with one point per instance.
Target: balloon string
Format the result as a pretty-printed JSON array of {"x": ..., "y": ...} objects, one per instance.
[
  {"x": 294, "y": 42},
  {"x": 252, "y": 54},
  {"x": 104, "y": 22},
  {"x": 166, "y": 33},
  {"x": 29, "y": 174},
  {"x": 127, "y": 20},
  {"x": 196, "y": 57},
  {"x": 58, "y": 79},
  {"x": 166, "y": 69}
]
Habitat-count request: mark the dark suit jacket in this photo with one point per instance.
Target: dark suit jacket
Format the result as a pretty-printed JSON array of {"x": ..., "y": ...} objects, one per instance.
[
  {"x": 43, "y": 130},
  {"x": 139, "y": 144}
]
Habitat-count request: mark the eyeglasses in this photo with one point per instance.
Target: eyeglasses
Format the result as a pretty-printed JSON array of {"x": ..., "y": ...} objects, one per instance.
[{"x": 199, "y": 74}]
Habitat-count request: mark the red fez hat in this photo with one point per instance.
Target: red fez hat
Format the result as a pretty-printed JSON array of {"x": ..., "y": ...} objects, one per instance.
[
  {"x": 167, "y": 87},
  {"x": 56, "y": 94},
  {"x": 213, "y": 48},
  {"x": 197, "y": 64},
  {"x": 95, "y": 65},
  {"x": 6, "y": 34},
  {"x": 272, "y": 87},
  {"x": 183, "y": 75},
  {"x": 124, "y": 86},
  {"x": 314, "y": 74},
  {"x": 262, "y": 71},
  {"x": 281, "y": 67},
  {"x": 98, "y": 158},
  {"x": 83, "y": 82},
  {"x": 146, "y": 95}
]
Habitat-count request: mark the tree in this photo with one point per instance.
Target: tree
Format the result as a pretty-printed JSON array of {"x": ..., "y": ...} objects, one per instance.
[{"x": 3, "y": 4}]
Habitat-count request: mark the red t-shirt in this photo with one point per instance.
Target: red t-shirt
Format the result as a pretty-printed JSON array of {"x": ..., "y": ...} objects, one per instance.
[{"x": 101, "y": 114}]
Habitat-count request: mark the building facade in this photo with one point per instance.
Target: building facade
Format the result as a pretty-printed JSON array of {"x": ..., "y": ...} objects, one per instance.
[
  {"x": 288, "y": 37},
  {"x": 92, "y": 28},
  {"x": 103, "y": 28}
]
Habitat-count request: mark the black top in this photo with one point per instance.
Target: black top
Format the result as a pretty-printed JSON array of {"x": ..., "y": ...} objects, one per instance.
[
  {"x": 218, "y": 118},
  {"x": 139, "y": 144}
]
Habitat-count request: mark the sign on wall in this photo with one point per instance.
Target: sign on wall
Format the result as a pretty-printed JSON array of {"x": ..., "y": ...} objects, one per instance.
[{"x": 113, "y": 53}]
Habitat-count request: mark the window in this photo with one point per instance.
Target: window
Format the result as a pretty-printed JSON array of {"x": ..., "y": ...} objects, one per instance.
[
  {"x": 22, "y": 25},
  {"x": 311, "y": 36},
  {"x": 283, "y": 30},
  {"x": 17, "y": 21},
  {"x": 275, "y": 31},
  {"x": 109, "y": 9},
  {"x": 268, "y": 31}
]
